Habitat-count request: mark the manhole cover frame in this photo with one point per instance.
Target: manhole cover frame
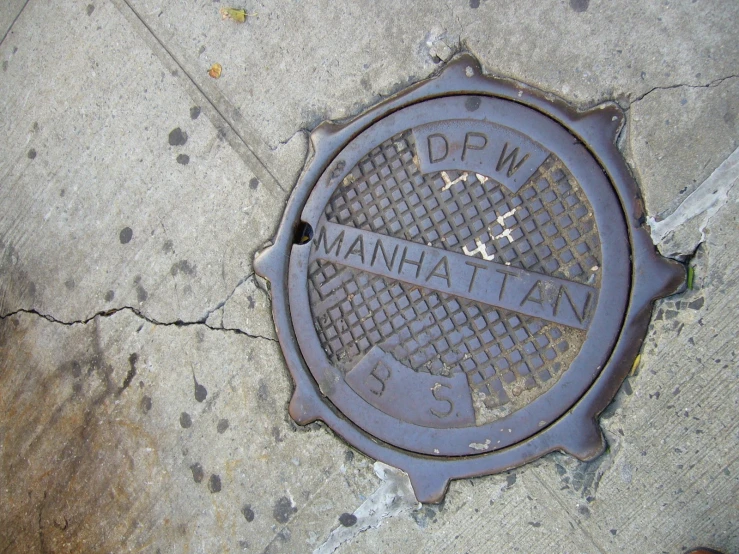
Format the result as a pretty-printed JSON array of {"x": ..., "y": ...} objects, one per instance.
[{"x": 577, "y": 431}]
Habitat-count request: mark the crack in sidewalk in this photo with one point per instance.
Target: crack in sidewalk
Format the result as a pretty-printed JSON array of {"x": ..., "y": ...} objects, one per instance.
[
  {"x": 137, "y": 313},
  {"x": 223, "y": 302},
  {"x": 711, "y": 84}
]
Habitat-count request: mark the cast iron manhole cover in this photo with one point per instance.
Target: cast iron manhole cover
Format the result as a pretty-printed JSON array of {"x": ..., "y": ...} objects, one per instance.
[{"x": 462, "y": 279}]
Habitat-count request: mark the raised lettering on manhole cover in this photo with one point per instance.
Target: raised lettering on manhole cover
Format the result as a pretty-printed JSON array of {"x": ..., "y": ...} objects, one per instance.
[{"x": 462, "y": 278}]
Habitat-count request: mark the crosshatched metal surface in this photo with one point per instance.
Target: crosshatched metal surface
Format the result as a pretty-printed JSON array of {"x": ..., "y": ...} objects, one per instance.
[
  {"x": 462, "y": 280},
  {"x": 546, "y": 227}
]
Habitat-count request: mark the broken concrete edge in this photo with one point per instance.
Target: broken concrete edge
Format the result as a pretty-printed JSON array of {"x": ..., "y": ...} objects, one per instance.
[
  {"x": 393, "y": 497},
  {"x": 134, "y": 311},
  {"x": 705, "y": 201}
]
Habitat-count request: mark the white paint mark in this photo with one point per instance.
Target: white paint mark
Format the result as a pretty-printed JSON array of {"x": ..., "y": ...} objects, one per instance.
[
  {"x": 481, "y": 178},
  {"x": 392, "y": 498},
  {"x": 449, "y": 182},
  {"x": 469, "y": 71},
  {"x": 480, "y": 446},
  {"x": 706, "y": 200},
  {"x": 481, "y": 249},
  {"x": 501, "y": 218},
  {"x": 501, "y": 221},
  {"x": 506, "y": 234}
]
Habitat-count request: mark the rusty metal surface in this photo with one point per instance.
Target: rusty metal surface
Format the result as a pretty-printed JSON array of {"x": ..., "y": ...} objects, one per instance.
[{"x": 461, "y": 280}]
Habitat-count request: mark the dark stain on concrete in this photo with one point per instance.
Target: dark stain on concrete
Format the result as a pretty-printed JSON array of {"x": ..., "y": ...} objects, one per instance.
[
  {"x": 17, "y": 284},
  {"x": 146, "y": 404},
  {"x": 125, "y": 235},
  {"x": 109, "y": 295},
  {"x": 248, "y": 513},
  {"x": 31, "y": 154},
  {"x": 197, "y": 472},
  {"x": 283, "y": 510},
  {"x": 177, "y": 137},
  {"x": 579, "y": 5},
  {"x": 201, "y": 393},
  {"x": 132, "y": 360},
  {"x": 168, "y": 246},
  {"x": 194, "y": 112},
  {"x": 90, "y": 9},
  {"x": 69, "y": 284},
  {"x": 254, "y": 183},
  {"x": 141, "y": 293},
  {"x": 276, "y": 434},
  {"x": 222, "y": 426},
  {"x": 347, "y": 520},
  {"x": 214, "y": 483},
  {"x": 252, "y": 303},
  {"x": 183, "y": 159},
  {"x": 263, "y": 396},
  {"x": 183, "y": 266},
  {"x": 185, "y": 420},
  {"x": 61, "y": 510},
  {"x": 424, "y": 516}
]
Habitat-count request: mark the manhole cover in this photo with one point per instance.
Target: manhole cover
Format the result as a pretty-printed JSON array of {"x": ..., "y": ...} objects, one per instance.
[{"x": 461, "y": 280}]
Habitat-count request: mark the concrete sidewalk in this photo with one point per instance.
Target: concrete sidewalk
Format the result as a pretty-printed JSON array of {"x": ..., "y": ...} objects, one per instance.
[{"x": 142, "y": 391}]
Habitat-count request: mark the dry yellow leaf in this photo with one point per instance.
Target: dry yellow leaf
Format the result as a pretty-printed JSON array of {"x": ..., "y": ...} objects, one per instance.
[
  {"x": 215, "y": 70},
  {"x": 239, "y": 16}
]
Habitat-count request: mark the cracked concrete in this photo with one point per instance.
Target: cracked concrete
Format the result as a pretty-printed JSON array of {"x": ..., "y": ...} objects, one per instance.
[
  {"x": 144, "y": 395},
  {"x": 713, "y": 83},
  {"x": 678, "y": 136},
  {"x": 679, "y": 234},
  {"x": 138, "y": 314}
]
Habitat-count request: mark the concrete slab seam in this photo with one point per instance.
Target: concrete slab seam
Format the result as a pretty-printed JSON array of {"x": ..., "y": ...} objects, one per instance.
[
  {"x": 13, "y": 23},
  {"x": 252, "y": 159}
]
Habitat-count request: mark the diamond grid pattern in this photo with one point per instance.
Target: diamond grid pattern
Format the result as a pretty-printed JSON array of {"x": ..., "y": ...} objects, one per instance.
[
  {"x": 501, "y": 353},
  {"x": 547, "y": 227}
]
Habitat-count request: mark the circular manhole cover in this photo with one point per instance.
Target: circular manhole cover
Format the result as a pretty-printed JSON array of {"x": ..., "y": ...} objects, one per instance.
[{"x": 461, "y": 280}]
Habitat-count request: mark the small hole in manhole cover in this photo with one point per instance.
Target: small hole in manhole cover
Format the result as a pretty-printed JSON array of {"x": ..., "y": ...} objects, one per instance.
[
  {"x": 303, "y": 233},
  {"x": 471, "y": 282}
]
